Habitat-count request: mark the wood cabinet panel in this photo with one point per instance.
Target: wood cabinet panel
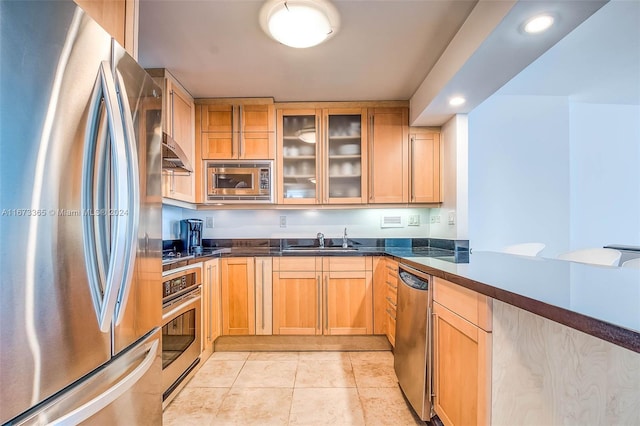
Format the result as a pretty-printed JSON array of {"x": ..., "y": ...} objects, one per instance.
[
  {"x": 380, "y": 315},
  {"x": 306, "y": 264},
  {"x": 238, "y": 296},
  {"x": 264, "y": 293},
  {"x": 388, "y": 155},
  {"x": 468, "y": 304},
  {"x": 424, "y": 174},
  {"x": 237, "y": 129},
  {"x": 462, "y": 370},
  {"x": 211, "y": 318},
  {"x": 110, "y": 14},
  {"x": 297, "y": 303},
  {"x": 356, "y": 263},
  {"x": 348, "y": 304}
]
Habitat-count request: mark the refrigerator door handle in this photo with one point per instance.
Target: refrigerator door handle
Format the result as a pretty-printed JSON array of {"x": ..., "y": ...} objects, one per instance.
[
  {"x": 132, "y": 213},
  {"x": 103, "y": 220},
  {"x": 87, "y": 410}
]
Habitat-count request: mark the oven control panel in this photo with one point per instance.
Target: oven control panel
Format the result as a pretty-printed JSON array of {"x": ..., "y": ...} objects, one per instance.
[{"x": 179, "y": 283}]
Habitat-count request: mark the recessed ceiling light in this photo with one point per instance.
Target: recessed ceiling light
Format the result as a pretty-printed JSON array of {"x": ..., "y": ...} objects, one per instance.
[
  {"x": 457, "y": 101},
  {"x": 299, "y": 23},
  {"x": 538, "y": 24}
]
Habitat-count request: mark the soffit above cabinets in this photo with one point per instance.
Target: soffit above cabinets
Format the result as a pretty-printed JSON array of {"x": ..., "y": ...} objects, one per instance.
[{"x": 385, "y": 50}]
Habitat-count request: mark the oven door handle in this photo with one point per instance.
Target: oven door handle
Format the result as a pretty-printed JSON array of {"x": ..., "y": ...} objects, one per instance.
[{"x": 186, "y": 302}]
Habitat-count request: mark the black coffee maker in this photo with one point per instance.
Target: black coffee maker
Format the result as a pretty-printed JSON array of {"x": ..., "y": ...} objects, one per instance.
[{"x": 191, "y": 235}]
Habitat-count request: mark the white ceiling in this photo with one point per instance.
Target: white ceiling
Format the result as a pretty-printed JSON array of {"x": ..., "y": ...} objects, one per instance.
[{"x": 418, "y": 50}]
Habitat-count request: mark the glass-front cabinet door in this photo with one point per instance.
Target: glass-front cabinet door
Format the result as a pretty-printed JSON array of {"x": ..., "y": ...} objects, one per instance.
[
  {"x": 345, "y": 156},
  {"x": 322, "y": 156},
  {"x": 298, "y": 156}
]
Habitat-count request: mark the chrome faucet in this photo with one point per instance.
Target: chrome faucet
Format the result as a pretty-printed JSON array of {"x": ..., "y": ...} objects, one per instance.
[
  {"x": 344, "y": 239},
  {"x": 320, "y": 239}
]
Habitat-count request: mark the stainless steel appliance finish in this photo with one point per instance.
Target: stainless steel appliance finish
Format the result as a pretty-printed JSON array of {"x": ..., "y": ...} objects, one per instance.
[
  {"x": 80, "y": 195},
  {"x": 239, "y": 181},
  {"x": 181, "y": 325},
  {"x": 412, "y": 355}
]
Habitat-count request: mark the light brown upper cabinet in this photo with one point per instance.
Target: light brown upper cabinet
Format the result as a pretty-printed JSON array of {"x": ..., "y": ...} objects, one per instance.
[
  {"x": 178, "y": 123},
  {"x": 236, "y": 129},
  {"x": 388, "y": 155},
  {"x": 117, "y": 17},
  {"x": 322, "y": 155},
  {"x": 424, "y": 170}
]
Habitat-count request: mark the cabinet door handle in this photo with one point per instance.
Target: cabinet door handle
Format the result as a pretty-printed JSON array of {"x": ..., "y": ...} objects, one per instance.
[
  {"x": 210, "y": 278},
  {"x": 371, "y": 154},
  {"x": 326, "y": 302},
  {"x": 173, "y": 115},
  {"x": 241, "y": 132},
  {"x": 263, "y": 294},
  {"x": 233, "y": 134},
  {"x": 319, "y": 296},
  {"x": 172, "y": 182},
  {"x": 412, "y": 168}
]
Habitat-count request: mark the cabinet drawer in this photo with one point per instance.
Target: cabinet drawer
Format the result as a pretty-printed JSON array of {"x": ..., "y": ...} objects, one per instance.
[
  {"x": 392, "y": 296},
  {"x": 297, "y": 264},
  {"x": 332, "y": 264},
  {"x": 470, "y": 305}
]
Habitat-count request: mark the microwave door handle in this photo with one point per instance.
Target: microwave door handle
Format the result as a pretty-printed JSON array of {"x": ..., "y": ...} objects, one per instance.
[
  {"x": 103, "y": 297},
  {"x": 131, "y": 212}
]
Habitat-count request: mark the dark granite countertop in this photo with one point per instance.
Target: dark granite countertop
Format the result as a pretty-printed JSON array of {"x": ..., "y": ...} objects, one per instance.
[
  {"x": 601, "y": 301},
  {"x": 598, "y": 300}
]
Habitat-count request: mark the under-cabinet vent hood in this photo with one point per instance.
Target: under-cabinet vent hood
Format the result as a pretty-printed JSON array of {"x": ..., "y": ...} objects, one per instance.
[{"x": 173, "y": 158}]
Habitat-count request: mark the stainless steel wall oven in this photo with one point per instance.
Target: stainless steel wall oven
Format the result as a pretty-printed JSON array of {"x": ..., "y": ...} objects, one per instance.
[{"x": 181, "y": 327}]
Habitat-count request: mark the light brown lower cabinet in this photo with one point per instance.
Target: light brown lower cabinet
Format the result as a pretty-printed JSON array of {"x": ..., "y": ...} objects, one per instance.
[
  {"x": 297, "y": 295},
  {"x": 314, "y": 296},
  {"x": 238, "y": 296},
  {"x": 385, "y": 294},
  {"x": 462, "y": 355},
  {"x": 210, "y": 305}
]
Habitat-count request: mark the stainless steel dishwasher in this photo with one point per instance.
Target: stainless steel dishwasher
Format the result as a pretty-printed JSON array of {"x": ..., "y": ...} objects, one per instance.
[{"x": 412, "y": 355}]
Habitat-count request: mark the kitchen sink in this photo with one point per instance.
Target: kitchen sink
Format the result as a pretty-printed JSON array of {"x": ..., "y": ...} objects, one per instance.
[{"x": 305, "y": 249}]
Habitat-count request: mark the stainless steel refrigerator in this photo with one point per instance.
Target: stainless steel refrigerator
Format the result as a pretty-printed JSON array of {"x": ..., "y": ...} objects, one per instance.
[{"x": 80, "y": 168}]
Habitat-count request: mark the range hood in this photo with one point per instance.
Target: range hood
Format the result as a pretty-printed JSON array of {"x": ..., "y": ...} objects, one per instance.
[{"x": 173, "y": 158}]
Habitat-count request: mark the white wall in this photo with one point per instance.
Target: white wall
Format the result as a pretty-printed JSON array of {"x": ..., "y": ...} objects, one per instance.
[
  {"x": 519, "y": 172},
  {"x": 605, "y": 179},
  {"x": 555, "y": 153},
  {"x": 360, "y": 223},
  {"x": 455, "y": 200}
]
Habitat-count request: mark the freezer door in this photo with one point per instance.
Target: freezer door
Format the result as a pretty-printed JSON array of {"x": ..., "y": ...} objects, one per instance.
[
  {"x": 51, "y": 54},
  {"x": 139, "y": 304},
  {"x": 126, "y": 391}
]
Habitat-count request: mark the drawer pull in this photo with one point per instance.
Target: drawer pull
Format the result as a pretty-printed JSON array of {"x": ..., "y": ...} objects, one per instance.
[{"x": 391, "y": 301}]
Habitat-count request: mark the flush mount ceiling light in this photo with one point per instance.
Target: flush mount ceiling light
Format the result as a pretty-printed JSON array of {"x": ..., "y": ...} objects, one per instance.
[
  {"x": 457, "y": 101},
  {"x": 307, "y": 135},
  {"x": 538, "y": 24},
  {"x": 299, "y": 23}
]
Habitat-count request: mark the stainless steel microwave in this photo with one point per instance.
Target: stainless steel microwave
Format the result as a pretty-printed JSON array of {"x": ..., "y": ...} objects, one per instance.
[{"x": 239, "y": 181}]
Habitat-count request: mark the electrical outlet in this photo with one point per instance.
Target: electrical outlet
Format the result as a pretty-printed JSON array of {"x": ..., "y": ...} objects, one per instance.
[
  {"x": 283, "y": 221},
  {"x": 414, "y": 220},
  {"x": 433, "y": 219},
  {"x": 452, "y": 218},
  {"x": 209, "y": 222},
  {"x": 438, "y": 219}
]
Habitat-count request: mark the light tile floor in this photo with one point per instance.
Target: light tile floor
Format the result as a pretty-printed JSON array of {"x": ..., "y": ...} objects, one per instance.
[{"x": 292, "y": 388}]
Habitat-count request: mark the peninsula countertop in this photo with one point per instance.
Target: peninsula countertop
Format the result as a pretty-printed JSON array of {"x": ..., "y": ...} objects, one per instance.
[{"x": 601, "y": 301}]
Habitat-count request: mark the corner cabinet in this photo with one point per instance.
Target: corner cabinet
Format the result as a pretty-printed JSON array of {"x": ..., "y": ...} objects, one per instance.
[
  {"x": 322, "y": 156},
  {"x": 238, "y": 296},
  {"x": 424, "y": 167},
  {"x": 462, "y": 354},
  {"x": 388, "y": 155},
  {"x": 178, "y": 122}
]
